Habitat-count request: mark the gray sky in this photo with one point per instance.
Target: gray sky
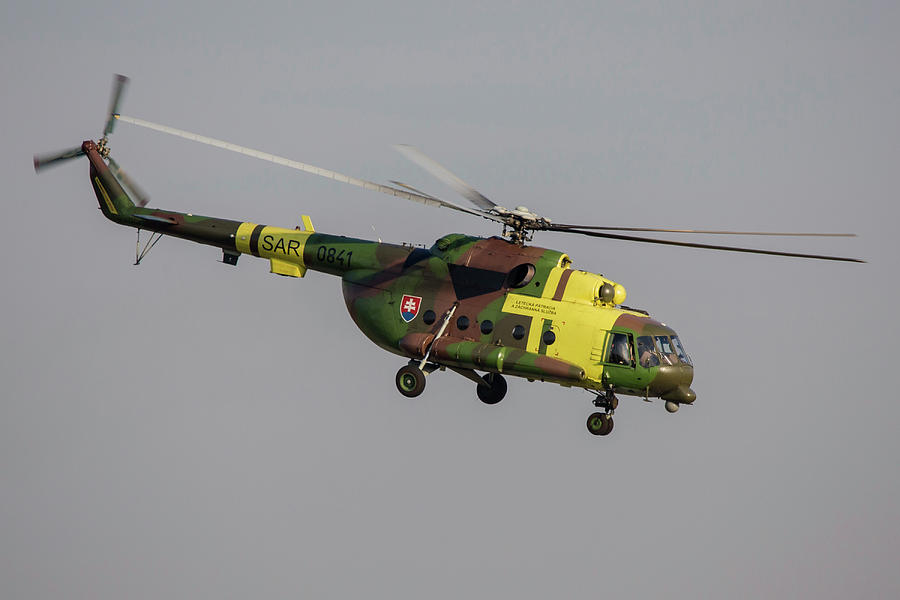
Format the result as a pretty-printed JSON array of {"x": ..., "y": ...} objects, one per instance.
[{"x": 186, "y": 429}]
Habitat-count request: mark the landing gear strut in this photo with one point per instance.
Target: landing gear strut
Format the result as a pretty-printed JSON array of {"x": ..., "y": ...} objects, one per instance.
[{"x": 601, "y": 423}]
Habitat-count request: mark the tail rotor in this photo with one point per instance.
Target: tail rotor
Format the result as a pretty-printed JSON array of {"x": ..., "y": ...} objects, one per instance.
[{"x": 42, "y": 161}]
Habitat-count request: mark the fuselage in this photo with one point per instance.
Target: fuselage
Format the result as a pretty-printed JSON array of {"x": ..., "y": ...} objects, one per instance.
[{"x": 465, "y": 302}]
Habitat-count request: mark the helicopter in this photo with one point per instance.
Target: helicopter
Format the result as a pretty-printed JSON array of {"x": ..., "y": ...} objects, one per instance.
[{"x": 496, "y": 305}]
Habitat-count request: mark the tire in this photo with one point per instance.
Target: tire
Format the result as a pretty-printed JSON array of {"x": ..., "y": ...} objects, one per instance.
[
  {"x": 608, "y": 427},
  {"x": 495, "y": 391},
  {"x": 596, "y": 422},
  {"x": 599, "y": 424},
  {"x": 410, "y": 381}
]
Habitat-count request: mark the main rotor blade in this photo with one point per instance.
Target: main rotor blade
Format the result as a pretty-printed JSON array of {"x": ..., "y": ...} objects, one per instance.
[
  {"x": 706, "y": 231},
  {"x": 442, "y": 173},
  {"x": 293, "y": 164},
  {"x": 119, "y": 82},
  {"x": 46, "y": 160},
  {"x": 631, "y": 238},
  {"x": 410, "y": 188}
]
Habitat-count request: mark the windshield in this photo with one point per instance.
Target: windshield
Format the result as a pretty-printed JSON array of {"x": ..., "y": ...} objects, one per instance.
[
  {"x": 679, "y": 349},
  {"x": 671, "y": 351},
  {"x": 665, "y": 349}
]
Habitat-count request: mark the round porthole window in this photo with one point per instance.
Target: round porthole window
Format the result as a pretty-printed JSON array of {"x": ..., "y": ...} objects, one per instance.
[
  {"x": 487, "y": 327},
  {"x": 462, "y": 323},
  {"x": 518, "y": 332},
  {"x": 549, "y": 337},
  {"x": 429, "y": 317}
]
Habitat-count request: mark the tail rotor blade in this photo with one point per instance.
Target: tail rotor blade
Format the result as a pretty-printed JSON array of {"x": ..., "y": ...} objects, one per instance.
[
  {"x": 119, "y": 82},
  {"x": 139, "y": 195},
  {"x": 46, "y": 160}
]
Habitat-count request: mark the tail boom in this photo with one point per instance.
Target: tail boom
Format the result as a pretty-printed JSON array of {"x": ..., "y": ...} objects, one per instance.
[{"x": 290, "y": 251}]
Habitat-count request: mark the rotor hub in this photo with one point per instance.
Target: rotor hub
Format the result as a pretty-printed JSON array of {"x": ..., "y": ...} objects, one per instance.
[{"x": 103, "y": 147}]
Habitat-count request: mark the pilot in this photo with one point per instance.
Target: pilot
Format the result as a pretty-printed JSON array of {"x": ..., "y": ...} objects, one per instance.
[
  {"x": 620, "y": 354},
  {"x": 646, "y": 352}
]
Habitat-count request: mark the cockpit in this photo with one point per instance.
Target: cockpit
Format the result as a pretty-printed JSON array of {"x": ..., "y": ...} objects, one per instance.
[
  {"x": 652, "y": 350},
  {"x": 646, "y": 358},
  {"x": 661, "y": 349}
]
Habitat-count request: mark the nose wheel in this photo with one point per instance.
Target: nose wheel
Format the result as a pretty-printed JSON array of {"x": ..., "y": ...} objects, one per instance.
[{"x": 601, "y": 423}]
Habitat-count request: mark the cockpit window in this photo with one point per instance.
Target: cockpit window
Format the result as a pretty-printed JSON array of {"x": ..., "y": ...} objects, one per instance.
[
  {"x": 671, "y": 350},
  {"x": 679, "y": 349},
  {"x": 647, "y": 355},
  {"x": 620, "y": 350},
  {"x": 665, "y": 349}
]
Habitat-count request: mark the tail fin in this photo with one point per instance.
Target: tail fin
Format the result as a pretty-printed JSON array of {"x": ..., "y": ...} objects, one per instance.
[{"x": 113, "y": 199}]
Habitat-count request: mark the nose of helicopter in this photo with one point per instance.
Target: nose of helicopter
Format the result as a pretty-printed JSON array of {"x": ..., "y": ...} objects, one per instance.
[{"x": 673, "y": 383}]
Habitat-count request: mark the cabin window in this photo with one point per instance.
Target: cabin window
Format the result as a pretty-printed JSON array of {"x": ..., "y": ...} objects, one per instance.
[
  {"x": 429, "y": 317},
  {"x": 548, "y": 338},
  {"x": 620, "y": 350},
  {"x": 487, "y": 327},
  {"x": 646, "y": 351},
  {"x": 462, "y": 323},
  {"x": 518, "y": 332}
]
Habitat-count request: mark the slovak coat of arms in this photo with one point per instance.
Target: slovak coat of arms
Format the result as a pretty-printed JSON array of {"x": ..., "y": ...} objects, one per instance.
[{"x": 409, "y": 307}]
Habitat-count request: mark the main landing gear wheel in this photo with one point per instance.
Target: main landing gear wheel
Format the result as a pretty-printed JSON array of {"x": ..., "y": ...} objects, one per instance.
[
  {"x": 494, "y": 391},
  {"x": 410, "y": 381},
  {"x": 600, "y": 423}
]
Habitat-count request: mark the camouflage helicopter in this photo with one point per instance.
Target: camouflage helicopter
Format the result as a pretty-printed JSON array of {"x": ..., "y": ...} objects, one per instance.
[{"x": 467, "y": 304}]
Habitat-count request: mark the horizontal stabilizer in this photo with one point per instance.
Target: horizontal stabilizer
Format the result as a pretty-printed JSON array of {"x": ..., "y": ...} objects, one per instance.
[{"x": 287, "y": 268}]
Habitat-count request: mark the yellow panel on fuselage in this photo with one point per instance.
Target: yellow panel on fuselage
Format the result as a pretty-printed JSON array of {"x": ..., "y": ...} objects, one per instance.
[
  {"x": 578, "y": 328},
  {"x": 283, "y": 245},
  {"x": 242, "y": 238},
  {"x": 578, "y": 325}
]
